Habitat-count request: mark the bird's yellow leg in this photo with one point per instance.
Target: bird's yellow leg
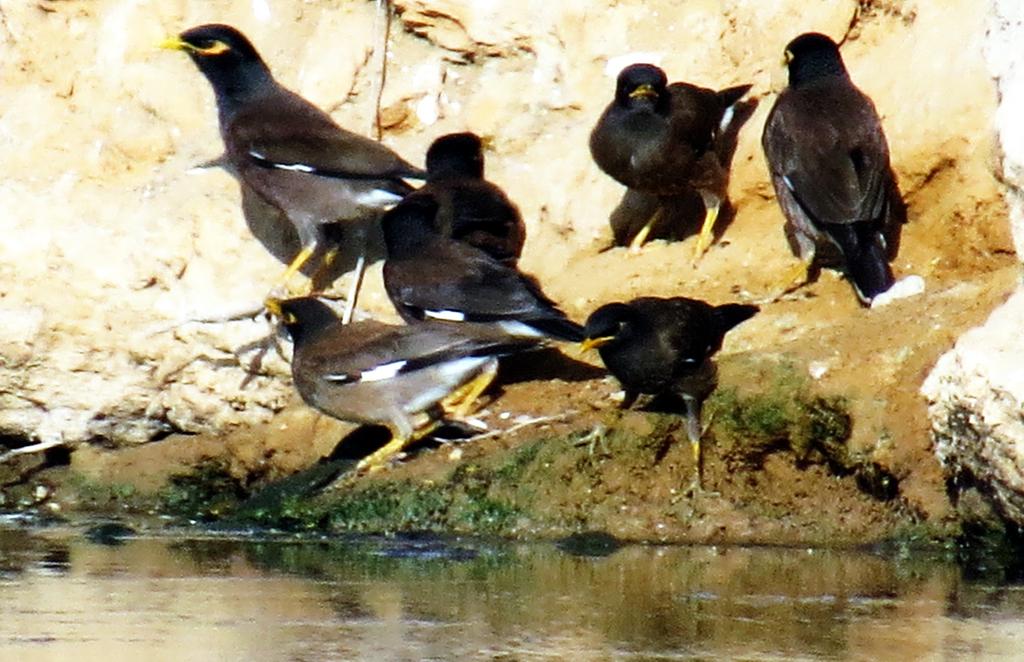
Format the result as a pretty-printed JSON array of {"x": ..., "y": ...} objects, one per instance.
[
  {"x": 707, "y": 230},
  {"x": 379, "y": 458},
  {"x": 300, "y": 260},
  {"x": 698, "y": 473},
  {"x": 329, "y": 257},
  {"x": 794, "y": 278},
  {"x": 460, "y": 402},
  {"x": 694, "y": 432},
  {"x": 641, "y": 237}
]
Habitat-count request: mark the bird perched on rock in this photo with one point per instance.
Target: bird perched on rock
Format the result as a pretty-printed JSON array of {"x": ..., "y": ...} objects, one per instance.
[
  {"x": 405, "y": 377},
  {"x": 663, "y": 140},
  {"x": 829, "y": 163},
  {"x": 657, "y": 346},
  {"x": 288, "y": 151},
  {"x": 470, "y": 208},
  {"x": 429, "y": 276}
]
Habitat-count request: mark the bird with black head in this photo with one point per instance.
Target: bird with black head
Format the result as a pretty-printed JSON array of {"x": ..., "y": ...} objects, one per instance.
[
  {"x": 291, "y": 153},
  {"x": 429, "y": 276},
  {"x": 665, "y": 140},
  {"x": 664, "y": 346},
  {"x": 471, "y": 209},
  {"x": 408, "y": 378},
  {"x": 829, "y": 163}
]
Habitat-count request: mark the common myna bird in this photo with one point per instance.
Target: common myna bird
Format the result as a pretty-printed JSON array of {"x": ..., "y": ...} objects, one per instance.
[
  {"x": 288, "y": 151},
  {"x": 405, "y": 377},
  {"x": 829, "y": 164},
  {"x": 663, "y": 139},
  {"x": 471, "y": 209},
  {"x": 657, "y": 346},
  {"x": 432, "y": 277}
]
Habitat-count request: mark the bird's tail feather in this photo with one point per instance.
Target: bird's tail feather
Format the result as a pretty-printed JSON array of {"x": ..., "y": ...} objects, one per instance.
[
  {"x": 867, "y": 263},
  {"x": 560, "y": 328},
  {"x": 731, "y": 95},
  {"x": 731, "y": 314},
  {"x": 870, "y": 271}
]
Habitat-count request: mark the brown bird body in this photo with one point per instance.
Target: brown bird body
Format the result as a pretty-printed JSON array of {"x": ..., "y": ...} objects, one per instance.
[
  {"x": 430, "y": 276},
  {"x": 398, "y": 376},
  {"x": 314, "y": 171},
  {"x": 471, "y": 209},
  {"x": 662, "y": 140},
  {"x": 290, "y": 153},
  {"x": 829, "y": 163}
]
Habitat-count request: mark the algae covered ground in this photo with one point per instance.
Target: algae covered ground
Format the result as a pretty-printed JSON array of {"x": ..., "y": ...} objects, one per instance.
[{"x": 779, "y": 468}]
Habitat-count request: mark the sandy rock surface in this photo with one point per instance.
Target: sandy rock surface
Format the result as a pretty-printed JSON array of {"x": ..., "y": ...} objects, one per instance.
[
  {"x": 115, "y": 240},
  {"x": 976, "y": 391}
]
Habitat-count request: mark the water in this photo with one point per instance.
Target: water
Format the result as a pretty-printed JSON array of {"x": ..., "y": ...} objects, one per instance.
[{"x": 63, "y": 597}]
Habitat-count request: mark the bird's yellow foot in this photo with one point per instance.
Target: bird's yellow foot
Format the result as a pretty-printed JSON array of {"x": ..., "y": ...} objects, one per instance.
[
  {"x": 282, "y": 284},
  {"x": 460, "y": 403},
  {"x": 794, "y": 278},
  {"x": 707, "y": 229},
  {"x": 379, "y": 459},
  {"x": 640, "y": 238},
  {"x": 696, "y": 487}
]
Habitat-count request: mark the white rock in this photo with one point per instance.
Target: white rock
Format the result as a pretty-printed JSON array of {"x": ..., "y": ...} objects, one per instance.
[
  {"x": 975, "y": 399},
  {"x": 901, "y": 289}
]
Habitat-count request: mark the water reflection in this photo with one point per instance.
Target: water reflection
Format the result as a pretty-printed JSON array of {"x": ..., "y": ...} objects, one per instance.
[{"x": 64, "y": 597}]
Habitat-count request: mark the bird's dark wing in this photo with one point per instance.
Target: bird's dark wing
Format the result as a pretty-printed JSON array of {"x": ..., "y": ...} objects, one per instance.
[
  {"x": 393, "y": 351},
  {"x": 696, "y": 112},
  {"x": 730, "y": 96},
  {"x": 452, "y": 280},
  {"x": 829, "y": 150},
  {"x": 287, "y": 132},
  {"x": 683, "y": 328}
]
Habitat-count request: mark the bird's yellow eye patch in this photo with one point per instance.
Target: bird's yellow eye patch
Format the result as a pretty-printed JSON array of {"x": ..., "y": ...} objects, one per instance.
[
  {"x": 645, "y": 91},
  {"x": 214, "y": 47},
  {"x": 788, "y": 56}
]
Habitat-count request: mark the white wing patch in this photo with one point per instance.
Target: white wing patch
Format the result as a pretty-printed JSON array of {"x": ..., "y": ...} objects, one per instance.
[
  {"x": 377, "y": 374},
  {"x": 445, "y": 315},
  {"x": 726, "y": 118},
  {"x": 520, "y": 329},
  {"x": 789, "y": 184},
  {"x": 382, "y": 372},
  {"x": 294, "y": 167},
  {"x": 377, "y": 198}
]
